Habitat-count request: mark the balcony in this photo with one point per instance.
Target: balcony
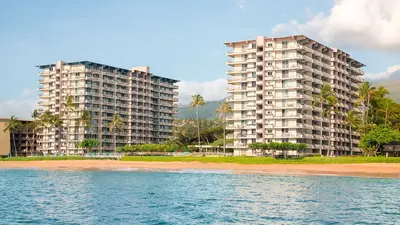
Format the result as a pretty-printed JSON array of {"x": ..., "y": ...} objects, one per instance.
[
  {"x": 237, "y": 80},
  {"x": 290, "y": 86},
  {"x": 290, "y": 115},
  {"x": 236, "y": 62}
]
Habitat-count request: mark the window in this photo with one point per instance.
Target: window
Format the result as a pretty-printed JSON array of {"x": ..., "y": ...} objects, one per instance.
[
  {"x": 269, "y": 54},
  {"x": 269, "y": 44},
  {"x": 269, "y": 64},
  {"x": 285, "y": 64},
  {"x": 284, "y": 44},
  {"x": 253, "y": 45},
  {"x": 285, "y": 72},
  {"x": 269, "y": 73}
]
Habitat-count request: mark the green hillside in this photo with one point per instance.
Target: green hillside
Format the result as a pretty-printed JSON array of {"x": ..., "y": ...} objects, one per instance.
[
  {"x": 207, "y": 111},
  {"x": 393, "y": 87}
]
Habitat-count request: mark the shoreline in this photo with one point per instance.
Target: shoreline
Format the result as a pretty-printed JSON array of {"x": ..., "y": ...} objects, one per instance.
[{"x": 354, "y": 170}]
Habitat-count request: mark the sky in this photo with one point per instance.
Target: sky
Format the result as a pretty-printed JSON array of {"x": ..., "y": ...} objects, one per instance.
[{"x": 180, "y": 39}]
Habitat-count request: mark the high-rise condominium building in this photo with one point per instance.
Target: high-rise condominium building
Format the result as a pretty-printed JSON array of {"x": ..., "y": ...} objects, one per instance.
[
  {"x": 273, "y": 83},
  {"x": 145, "y": 103}
]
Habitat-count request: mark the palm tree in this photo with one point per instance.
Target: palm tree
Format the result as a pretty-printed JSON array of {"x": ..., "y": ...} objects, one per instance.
[
  {"x": 365, "y": 92},
  {"x": 57, "y": 123},
  {"x": 13, "y": 126},
  {"x": 35, "y": 126},
  {"x": 387, "y": 104},
  {"x": 69, "y": 107},
  {"x": 46, "y": 121},
  {"x": 85, "y": 120},
  {"x": 352, "y": 121},
  {"x": 321, "y": 99},
  {"x": 197, "y": 102},
  {"x": 332, "y": 103},
  {"x": 377, "y": 103},
  {"x": 223, "y": 110},
  {"x": 115, "y": 125}
]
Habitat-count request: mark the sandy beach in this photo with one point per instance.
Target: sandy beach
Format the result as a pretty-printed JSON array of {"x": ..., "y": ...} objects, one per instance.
[{"x": 362, "y": 170}]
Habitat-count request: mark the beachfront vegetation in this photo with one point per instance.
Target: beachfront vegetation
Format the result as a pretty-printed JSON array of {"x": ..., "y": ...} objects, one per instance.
[
  {"x": 88, "y": 145},
  {"x": 153, "y": 148},
  {"x": 43, "y": 158},
  {"x": 116, "y": 125},
  {"x": 376, "y": 138},
  {"x": 265, "y": 160},
  {"x": 327, "y": 102},
  {"x": 69, "y": 107},
  {"x": 13, "y": 126},
  {"x": 223, "y": 111},
  {"x": 184, "y": 132},
  {"x": 378, "y": 123},
  {"x": 85, "y": 120},
  {"x": 197, "y": 102},
  {"x": 278, "y": 146}
]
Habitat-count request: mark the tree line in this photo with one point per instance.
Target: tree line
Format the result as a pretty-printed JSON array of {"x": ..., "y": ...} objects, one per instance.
[
  {"x": 278, "y": 146},
  {"x": 43, "y": 122},
  {"x": 377, "y": 114}
]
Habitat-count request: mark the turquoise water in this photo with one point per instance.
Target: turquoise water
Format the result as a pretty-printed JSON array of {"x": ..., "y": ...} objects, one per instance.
[{"x": 98, "y": 197}]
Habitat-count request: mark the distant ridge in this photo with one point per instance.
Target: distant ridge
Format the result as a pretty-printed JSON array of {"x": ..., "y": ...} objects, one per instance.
[{"x": 207, "y": 111}]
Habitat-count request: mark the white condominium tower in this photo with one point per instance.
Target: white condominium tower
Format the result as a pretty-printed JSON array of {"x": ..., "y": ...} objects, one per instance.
[
  {"x": 146, "y": 104},
  {"x": 273, "y": 83}
]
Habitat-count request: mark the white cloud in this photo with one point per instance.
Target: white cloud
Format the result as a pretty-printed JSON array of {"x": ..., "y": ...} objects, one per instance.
[
  {"x": 392, "y": 72},
  {"x": 22, "y": 109},
  {"x": 210, "y": 90},
  {"x": 372, "y": 24},
  {"x": 21, "y": 106},
  {"x": 242, "y": 4}
]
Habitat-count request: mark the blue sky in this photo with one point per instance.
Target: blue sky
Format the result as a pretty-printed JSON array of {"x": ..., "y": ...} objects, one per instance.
[{"x": 179, "y": 38}]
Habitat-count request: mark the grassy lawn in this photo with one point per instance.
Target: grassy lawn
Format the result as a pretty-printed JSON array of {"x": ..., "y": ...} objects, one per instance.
[
  {"x": 236, "y": 159},
  {"x": 41, "y": 158},
  {"x": 265, "y": 160}
]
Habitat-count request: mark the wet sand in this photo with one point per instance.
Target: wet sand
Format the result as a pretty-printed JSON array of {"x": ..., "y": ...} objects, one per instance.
[{"x": 361, "y": 170}]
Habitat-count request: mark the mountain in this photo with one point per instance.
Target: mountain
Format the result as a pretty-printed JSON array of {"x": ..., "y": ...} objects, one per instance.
[
  {"x": 391, "y": 82},
  {"x": 393, "y": 87},
  {"x": 207, "y": 111}
]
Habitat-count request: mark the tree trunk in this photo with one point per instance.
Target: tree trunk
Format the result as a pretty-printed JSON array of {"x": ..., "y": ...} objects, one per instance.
[
  {"x": 330, "y": 133},
  {"x": 386, "y": 116},
  {"x": 351, "y": 142},
  {"x": 320, "y": 141},
  {"x": 224, "y": 140},
  {"x": 15, "y": 146},
  {"x": 366, "y": 118},
  {"x": 198, "y": 126},
  {"x": 115, "y": 142},
  {"x": 67, "y": 134}
]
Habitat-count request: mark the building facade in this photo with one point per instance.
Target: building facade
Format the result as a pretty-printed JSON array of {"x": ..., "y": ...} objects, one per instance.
[
  {"x": 146, "y": 103},
  {"x": 25, "y": 139},
  {"x": 273, "y": 83}
]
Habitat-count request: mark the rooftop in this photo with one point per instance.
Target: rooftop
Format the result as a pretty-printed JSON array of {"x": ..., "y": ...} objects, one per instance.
[
  {"x": 352, "y": 61},
  {"x": 88, "y": 63}
]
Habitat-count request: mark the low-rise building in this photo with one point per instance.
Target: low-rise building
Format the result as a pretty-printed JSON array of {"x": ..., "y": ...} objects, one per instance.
[{"x": 25, "y": 139}]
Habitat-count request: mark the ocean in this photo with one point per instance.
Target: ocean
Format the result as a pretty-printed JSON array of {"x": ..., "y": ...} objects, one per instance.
[{"x": 193, "y": 197}]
